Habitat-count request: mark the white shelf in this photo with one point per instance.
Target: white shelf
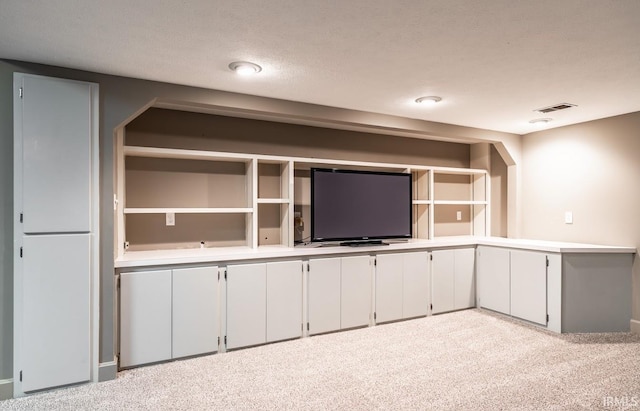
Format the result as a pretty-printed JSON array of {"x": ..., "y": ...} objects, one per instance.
[
  {"x": 459, "y": 202},
  {"x": 273, "y": 226},
  {"x": 273, "y": 201},
  {"x": 226, "y": 210},
  {"x": 135, "y": 151}
]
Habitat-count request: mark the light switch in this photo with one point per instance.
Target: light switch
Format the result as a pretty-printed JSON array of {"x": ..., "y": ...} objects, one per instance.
[
  {"x": 568, "y": 217},
  {"x": 459, "y": 215},
  {"x": 171, "y": 218}
]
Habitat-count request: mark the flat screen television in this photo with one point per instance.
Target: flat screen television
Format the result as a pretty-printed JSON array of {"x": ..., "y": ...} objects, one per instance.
[{"x": 358, "y": 207}]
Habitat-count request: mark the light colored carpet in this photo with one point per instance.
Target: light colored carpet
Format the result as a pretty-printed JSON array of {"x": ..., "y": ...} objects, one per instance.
[{"x": 468, "y": 360}]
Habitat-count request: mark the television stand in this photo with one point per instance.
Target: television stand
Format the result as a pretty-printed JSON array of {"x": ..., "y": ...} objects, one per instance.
[{"x": 363, "y": 243}]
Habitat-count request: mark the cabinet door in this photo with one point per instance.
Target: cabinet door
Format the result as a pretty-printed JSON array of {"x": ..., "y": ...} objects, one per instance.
[
  {"x": 324, "y": 295},
  {"x": 56, "y": 323},
  {"x": 56, "y": 155},
  {"x": 442, "y": 281},
  {"x": 493, "y": 279},
  {"x": 355, "y": 291},
  {"x": 284, "y": 300},
  {"x": 246, "y": 305},
  {"x": 464, "y": 285},
  {"x": 415, "y": 289},
  {"x": 389, "y": 268},
  {"x": 529, "y": 286},
  {"x": 195, "y": 311},
  {"x": 145, "y": 317}
]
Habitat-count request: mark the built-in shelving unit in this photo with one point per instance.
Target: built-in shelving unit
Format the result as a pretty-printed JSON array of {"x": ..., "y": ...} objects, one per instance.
[{"x": 172, "y": 198}]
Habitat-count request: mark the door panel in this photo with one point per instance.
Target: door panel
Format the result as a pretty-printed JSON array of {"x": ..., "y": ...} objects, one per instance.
[
  {"x": 56, "y": 323},
  {"x": 246, "y": 305},
  {"x": 284, "y": 300},
  {"x": 145, "y": 317},
  {"x": 416, "y": 288},
  {"x": 494, "y": 279},
  {"x": 389, "y": 269},
  {"x": 529, "y": 286},
  {"x": 442, "y": 281},
  {"x": 56, "y": 155},
  {"x": 355, "y": 291},
  {"x": 324, "y": 295},
  {"x": 194, "y": 311}
]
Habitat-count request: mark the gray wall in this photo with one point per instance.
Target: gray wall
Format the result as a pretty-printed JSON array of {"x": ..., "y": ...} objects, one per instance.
[{"x": 120, "y": 99}]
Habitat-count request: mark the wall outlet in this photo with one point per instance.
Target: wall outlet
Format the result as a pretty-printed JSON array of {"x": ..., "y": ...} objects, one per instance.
[
  {"x": 568, "y": 217},
  {"x": 171, "y": 218},
  {"x": 459, "y": 215}
]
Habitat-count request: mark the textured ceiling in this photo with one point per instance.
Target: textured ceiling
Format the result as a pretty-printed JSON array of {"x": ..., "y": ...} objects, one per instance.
[{"x": 493, "y": 61}]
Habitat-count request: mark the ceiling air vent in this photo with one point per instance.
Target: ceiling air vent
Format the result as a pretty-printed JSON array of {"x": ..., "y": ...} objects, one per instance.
[{"x": 556, "y": 107}]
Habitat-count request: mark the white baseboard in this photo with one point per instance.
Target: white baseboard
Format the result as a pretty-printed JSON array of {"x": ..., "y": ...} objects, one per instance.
[
  {"x": 6, "y": 389},
  {"x": 107, "y": 371},
  {"x": 635, "y": 326}
]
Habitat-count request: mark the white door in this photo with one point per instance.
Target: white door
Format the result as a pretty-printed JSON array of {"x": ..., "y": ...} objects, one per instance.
[
  {"x": 355, "y": 291},
  {"x": 493, "y": 279},
  {"x": 145, "y": 317},
  {"x": 56, "y": 155},
  {"x": 324, "y": 295},
  {"x": 529, "y": 286},
  {"x": 246, "y": 305},
  {"x": 56, "y": 324},
  {"x": 195, "y": 311},
  {"x": 415, "y": 289},
  {"x": 284, "y": 300},
  {"x": 442, "y": 281},
  {"x": 389, "y": 268},
  {"x": 464, "y": 285}
]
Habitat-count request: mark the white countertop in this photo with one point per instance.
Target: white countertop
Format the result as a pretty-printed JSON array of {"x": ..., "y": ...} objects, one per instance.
[{"x": 227, "y": 254}]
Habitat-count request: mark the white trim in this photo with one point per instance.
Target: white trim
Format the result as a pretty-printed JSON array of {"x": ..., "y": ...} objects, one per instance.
[
  {"x": 6, "y": 389},
  {"x": 187, "y": 210},
  {"x": 634, "y": 326},
  {"x": 107, "y": 370}
]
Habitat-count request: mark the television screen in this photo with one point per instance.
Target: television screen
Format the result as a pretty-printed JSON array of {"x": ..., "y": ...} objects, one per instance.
[{"x": 359, "y": 205}]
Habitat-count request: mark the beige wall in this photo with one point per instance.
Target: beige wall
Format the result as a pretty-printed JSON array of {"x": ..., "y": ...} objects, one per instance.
[{"x": 593, "y": 170}]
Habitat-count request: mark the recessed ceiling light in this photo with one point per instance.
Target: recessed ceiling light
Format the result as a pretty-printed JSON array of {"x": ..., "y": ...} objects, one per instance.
[
  {"x": 429, "y": 100},
  {"x": 245, "y": 67},
  {"x": 540, "y": 121}
]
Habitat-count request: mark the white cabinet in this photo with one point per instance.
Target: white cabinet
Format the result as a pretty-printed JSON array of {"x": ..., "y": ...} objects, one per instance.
[
  {"x": 56, "y": 261},
  {"x": 388, "y": 287},
  {"x": 168, "y": 314},
  {"x": 246, "y": 305},
  {"x": 56, "y": 316},
  {"x": 529, "y": 286},
  {"x": 355, "y": 291},
  {"x": 324, "y": 295},
  {"x": 464, "y": 278},
  {"x": 442, "y": 281},
  {"x": 145, "y": 317},
  {"x": 402, "y": 286},
  {"x": 415, "y": 284},
  {"x": 493, "y": 275},
  {"x": 339, "y": 293},
  {"x": 56, "y": 155},
  {"x": 195, "y": 324},
  {"x": 452, "y": 276},
  {"x": 264, "y": 303},
  {"x": 284, "y": 300}
]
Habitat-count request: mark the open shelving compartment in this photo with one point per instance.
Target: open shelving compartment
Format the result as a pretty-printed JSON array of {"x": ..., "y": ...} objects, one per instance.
[
  {"x": 207, "y": 195},
  {"x": 226, "y": 201}
]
